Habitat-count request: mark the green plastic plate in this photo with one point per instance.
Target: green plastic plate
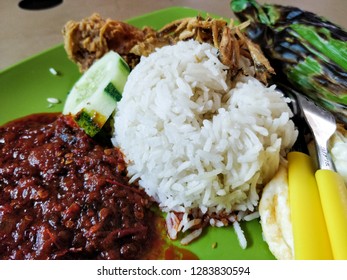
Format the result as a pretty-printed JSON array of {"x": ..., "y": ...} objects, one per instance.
[{"x": 26, "y": 86}]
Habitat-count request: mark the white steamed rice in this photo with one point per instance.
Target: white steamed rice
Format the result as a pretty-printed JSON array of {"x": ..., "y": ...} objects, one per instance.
[{"x": 192, "y": 139}]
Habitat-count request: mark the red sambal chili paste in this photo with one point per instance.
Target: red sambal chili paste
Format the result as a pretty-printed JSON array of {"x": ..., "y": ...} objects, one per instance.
[{"x": 65, "y": 196}]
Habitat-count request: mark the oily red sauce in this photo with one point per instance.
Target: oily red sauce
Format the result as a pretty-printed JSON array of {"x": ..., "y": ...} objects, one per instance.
[
  {"x": 163, "y": 248},
  {"x": 65, "y": 196},
  {"x": 176, "y": 253}
]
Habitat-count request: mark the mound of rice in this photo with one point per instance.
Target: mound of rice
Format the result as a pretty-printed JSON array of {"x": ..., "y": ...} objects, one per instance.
[{"x": 193, "y": 139}]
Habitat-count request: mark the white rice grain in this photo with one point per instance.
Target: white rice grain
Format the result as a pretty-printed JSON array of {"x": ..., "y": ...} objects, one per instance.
[
  {"x": 53, "y": 71},
  {"x": 195, "y": 142},
  {"x": 191, "y": 236},
  {"x": 240, "y": 235}
]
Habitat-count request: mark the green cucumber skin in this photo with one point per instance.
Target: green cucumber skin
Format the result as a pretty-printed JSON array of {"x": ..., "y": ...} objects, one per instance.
[
  {"x": 85, "y": 121},
  {"x": 95, "y": 113},
  {"x": 111, "y": 90}
]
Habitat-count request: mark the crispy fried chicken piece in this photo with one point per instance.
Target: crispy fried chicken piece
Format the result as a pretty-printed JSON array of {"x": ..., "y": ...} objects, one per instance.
[
  {"x": 89, "y": 39},
  {"x": 92, "y": 37}
]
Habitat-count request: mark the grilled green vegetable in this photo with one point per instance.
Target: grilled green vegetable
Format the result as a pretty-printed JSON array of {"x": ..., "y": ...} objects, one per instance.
[{"x": 307, "y": 51}]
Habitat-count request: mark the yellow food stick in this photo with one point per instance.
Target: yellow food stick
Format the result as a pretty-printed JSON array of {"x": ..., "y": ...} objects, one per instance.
[
  {"x": 311, "y": 239},
  {"x": 333, "y": 195}
]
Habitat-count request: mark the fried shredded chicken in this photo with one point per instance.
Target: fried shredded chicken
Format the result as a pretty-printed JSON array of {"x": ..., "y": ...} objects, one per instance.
[{"x": 91, "y": 38}]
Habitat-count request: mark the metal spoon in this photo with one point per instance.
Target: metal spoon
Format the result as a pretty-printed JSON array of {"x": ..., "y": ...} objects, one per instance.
[
  {"x": 332, "y": 190},
  {"x": 311, "y": 239}
]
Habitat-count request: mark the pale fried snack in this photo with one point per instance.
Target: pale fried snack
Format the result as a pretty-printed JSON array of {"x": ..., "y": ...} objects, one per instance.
[
  {"x": 274, "y": 214},
  {"x": 338, "y": 150}
]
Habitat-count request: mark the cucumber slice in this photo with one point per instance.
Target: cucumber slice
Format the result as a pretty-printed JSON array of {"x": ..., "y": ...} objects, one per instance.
[{"x": 94, "y": 96}]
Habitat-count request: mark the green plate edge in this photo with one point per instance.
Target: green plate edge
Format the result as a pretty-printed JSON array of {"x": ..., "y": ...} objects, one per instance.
[{"x": 26, "y": 86}]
